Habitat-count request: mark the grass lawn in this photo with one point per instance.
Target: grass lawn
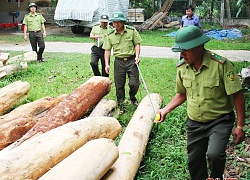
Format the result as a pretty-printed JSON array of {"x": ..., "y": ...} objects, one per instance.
[{"x": 165, "y": 156}]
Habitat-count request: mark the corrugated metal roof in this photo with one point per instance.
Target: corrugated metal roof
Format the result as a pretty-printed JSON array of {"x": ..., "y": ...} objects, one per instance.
[{"x": 86, "y": 11}]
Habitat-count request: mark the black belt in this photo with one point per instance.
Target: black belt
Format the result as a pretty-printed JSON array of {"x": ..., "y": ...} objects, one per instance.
[
  {"x": 126, "y": 58},
  {"x": 35, "y": 31}
]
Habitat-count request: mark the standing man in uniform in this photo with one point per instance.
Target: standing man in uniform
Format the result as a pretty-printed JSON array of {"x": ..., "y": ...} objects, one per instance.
[
  {"x": 125, "y": 41},
  {"x": 209, "y": 84},
  {"x": 34, "y": 24},
  {"x": 97, "y": 52},
  {"x": 190, "y": 18}
]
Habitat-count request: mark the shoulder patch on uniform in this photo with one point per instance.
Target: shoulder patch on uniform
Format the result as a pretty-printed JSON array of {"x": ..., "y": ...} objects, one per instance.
[
  {"x": 129, "y": 27},
  {"x": 230, "y": 75},
  {"x": 111, "y": 31},
  {"x": 180, "y": 62},
  {"x": 220, "y": 59}
]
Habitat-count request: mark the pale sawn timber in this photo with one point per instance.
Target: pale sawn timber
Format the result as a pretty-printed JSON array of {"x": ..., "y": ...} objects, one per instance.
[
  {"x": 36, "y": 156},
  {"x": 89, "y": 162}
]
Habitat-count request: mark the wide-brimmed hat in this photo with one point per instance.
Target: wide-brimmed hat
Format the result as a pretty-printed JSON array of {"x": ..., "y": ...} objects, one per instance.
[
  {"x": 104, "y": 18},
  {"x": 118, "y": 16},
  {"x": 32, "y": 4},
  {"x": 189, "y": 37}
]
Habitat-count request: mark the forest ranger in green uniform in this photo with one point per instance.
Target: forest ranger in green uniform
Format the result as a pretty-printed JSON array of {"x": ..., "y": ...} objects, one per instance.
[
  {"x": 212, "y": 89},
  {"x": 97, "y": 52},
  {"x": 125, "y": 41},
  {"x": 34, "y": 24}
]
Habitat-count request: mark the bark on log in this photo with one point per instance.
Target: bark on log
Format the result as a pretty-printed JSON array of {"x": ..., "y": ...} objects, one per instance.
[
  {"x": 12, "y": 94},
  {"x": 72, "y": 108},
  {"x": 36, "y": 156},
  {"x": 103, "y": 108},
  {"x": 134, "y": 140},
  {"x": 15, "y": 68},
  {"x": 91, "y": 161},
  {"x": 16, "y": 123}
]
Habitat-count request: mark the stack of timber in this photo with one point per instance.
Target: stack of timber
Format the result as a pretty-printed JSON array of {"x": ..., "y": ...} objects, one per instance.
[
  {"x": 71, "y": 108},
  {"x": 36, "y": 156},
  {"x": 156, "y": 20},
  {"x": 15, "y": 64}
]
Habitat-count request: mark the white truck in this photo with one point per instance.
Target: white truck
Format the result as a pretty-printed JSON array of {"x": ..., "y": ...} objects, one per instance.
[{"x": 79, "y": 14}]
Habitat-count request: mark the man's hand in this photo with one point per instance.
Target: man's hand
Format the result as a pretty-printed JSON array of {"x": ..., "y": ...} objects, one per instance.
[
  {"x": 107, "y": 68},
  {"x": 137, "y": 60},
  {"x": 25, "y": 37},
  {"x": 44, "y": 35},
  {"x": 238, "y": 135}
]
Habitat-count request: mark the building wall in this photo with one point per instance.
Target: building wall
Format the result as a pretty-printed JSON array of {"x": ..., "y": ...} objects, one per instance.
[{"x": 7, "y": 7}]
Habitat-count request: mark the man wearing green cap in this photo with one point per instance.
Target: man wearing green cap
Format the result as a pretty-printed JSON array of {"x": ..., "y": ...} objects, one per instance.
[
  {"x": 34, "y": 24},
  {"x": 125, "y": 41},
  {"x": 209, "y": 84}
]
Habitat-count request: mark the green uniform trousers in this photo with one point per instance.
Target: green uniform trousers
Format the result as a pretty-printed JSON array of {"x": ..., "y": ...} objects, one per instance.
[
  {"x": 121, "y": 69},
  {"x": 36, "y": 38},
  {"x": 208, "y": 139},
  {"x": 96, "y": 54}
]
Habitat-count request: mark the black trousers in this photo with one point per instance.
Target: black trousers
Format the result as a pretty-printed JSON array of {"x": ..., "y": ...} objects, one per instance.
[
  {"x": 36, "y": 39},
  {"x": 96, "y": 54},
  {"x": 208, "y": 140},
  {"x": 122, "y": 68}
]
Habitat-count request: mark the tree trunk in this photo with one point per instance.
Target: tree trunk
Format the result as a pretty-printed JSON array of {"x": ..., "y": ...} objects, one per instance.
[
  {"x": 36, "y": 156},
  {"x": 103, "y": 108},
  {"x": 222, "y": 13},
  {"x": 72, "y": 108},
  {"x": 13, "y": 94},
  {"x": 16, "y": 123},
  {"x": 134, "y": 140},
  {"x": 228, "y": 9},
  {"x": 91, "y": 161}
]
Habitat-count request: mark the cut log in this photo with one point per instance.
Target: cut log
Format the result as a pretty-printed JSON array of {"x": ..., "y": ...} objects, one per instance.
[
  {"x": 16, "y": 123},
  {"x": 171, "y": 24},
  {"x": 134, "y": 140},
  {"x": 26, "y": 57},
  {"x": 13, "y": 94},
  {"x": 91, "y": 161},
  {"x": 72, "y": 108},
  {"x": 15, "y": 68},
  {"x": 36, "y": 156},
  {"x": 103, "y": 108}
]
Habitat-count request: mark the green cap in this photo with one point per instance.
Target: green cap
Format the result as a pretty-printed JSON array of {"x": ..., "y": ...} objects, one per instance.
[
  {"x": 32, "y": 4},
  {"x": 118, "y": 16},
  {"x": 189, "y": 37}
]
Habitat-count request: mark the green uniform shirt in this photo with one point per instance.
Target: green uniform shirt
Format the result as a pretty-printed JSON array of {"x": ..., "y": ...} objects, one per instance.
[
  {"x": 34, "y": 21},
  {"x": 209, "y": 89},
  {"x": 123, "y": 44},
  {"x": 98, "y": 30}
]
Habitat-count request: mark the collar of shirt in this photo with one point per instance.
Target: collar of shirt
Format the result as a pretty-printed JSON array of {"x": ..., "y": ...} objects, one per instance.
[
  {"x": 206, "y": 60},
  {"x": 32, "y": 14},
  {"x": 103, "y": 27},
  {"x": 191, "y": 16},
  {"x": 125, "y": 30}
]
